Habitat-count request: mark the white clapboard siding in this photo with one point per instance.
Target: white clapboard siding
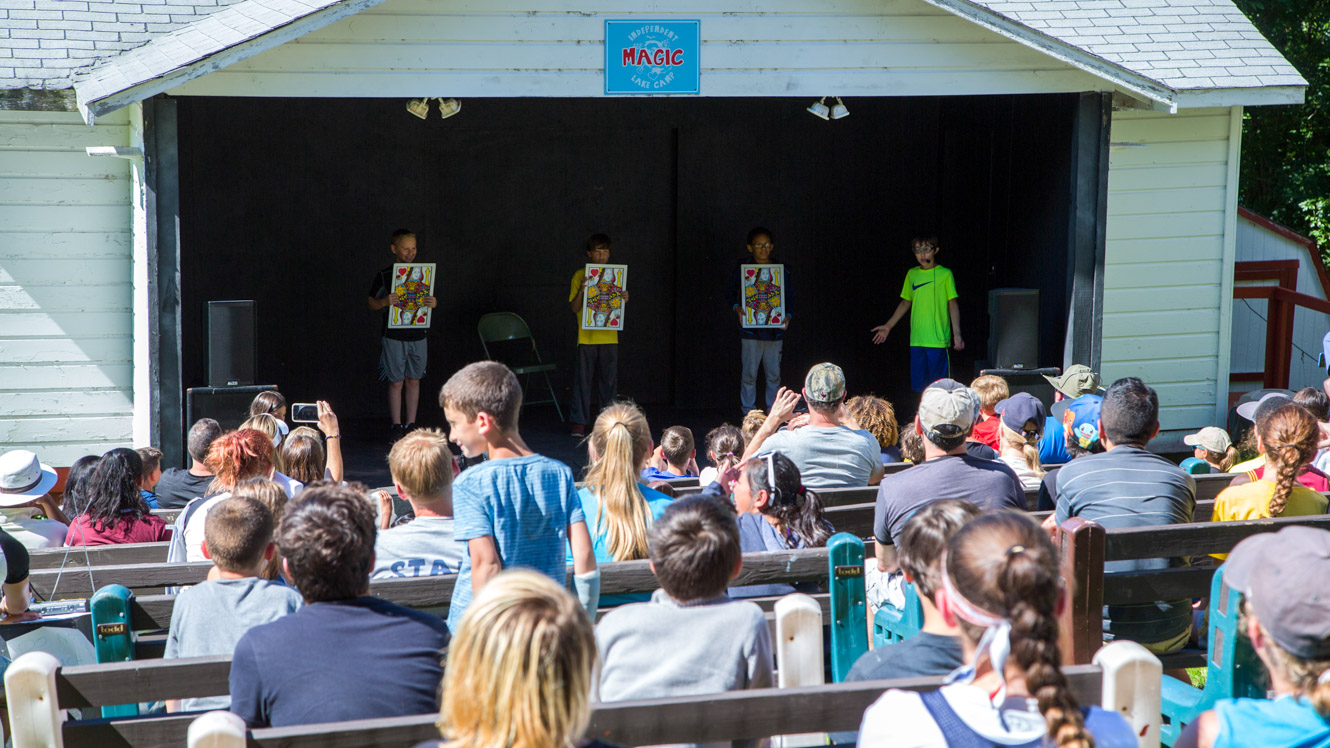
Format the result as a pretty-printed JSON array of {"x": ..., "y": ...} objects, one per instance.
[
  {"x": 1258, "y": 243},
  {"x": 411, "y": 48},
  {"x": 1169, "y": 192},
  {"x": 66, "y": 349}
]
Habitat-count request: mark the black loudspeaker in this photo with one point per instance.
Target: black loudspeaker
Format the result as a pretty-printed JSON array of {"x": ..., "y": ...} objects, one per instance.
[
  {"x": 1013, "y": 328},
  {"x": 231, "y": 332},
  {"x": 229, "y": 406}
]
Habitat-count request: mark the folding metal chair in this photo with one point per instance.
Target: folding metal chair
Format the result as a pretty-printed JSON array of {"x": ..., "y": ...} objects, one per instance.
[{"x": 504, "y": 326}]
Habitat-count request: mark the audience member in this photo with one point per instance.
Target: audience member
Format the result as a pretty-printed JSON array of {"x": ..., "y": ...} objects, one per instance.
[
  {"x": 752, "y": 421},
  {"x": 1128, "y": 486},
  {"x": 236, "y": 456},
  {"x": 303, "y": 457},
  {"x": 300, "y": 668},
  {"x": 1285, "y": 578},
  {"x": 1078, "y": 380},
  {"x": 517, "y": 508},
  {"x": 178, "y": 487},
  {"x": 268, "y": 424},
  {"x": 521, "y": 669},
  {"x": 912, "y": 445},
  {"x": 936, "y": 649},
  {"x": 1080, "y": 437},
  {"x": 209, "y": 618},
  {"x": 775, "y": 513},
  {"x": 619, "y": 510},
  {"x": 725, "y": 445},
  {"x": 947, "y": 412},
  {"x": 1315, "y": 400},
  {"x": 1287, "y": 437},
  {"x": 422, "y": 469},
  {"x": 877, "y": 417},
  {"x": 274, "y": 498},
  {"x": 28, "y": 512},
  {"x": 14, "y": 605},
  {"x": 827, "y": 453},
  {"x": 712, "y": 643},
  {"x": 1021, "y": 420},
  {"x": 1256, "y": 411},
  {"x": 1000, "y": 585},
  {"x": 75, "y": 499},
  {"x": 152, "y": 473},
  {"x": 116, "y": 513},
  {"x": 1213, "y": 445},
  {"x": 992, "y": 390},
  {"x": 675, "y": 458},
  {"x": 271, "y": 402}
]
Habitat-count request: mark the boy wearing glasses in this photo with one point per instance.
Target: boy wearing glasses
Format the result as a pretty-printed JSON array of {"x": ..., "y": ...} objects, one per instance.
[
  {"x": 929, "y": 295},
  {"x": 759, "y": 347}
]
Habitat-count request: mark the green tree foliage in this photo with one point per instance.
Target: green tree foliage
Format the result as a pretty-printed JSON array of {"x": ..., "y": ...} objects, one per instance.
[{"x": 1286, "y": 149}]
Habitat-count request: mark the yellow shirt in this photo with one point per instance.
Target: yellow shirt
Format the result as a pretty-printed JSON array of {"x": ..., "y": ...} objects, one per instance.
[
  {"x": 1252, "y": 501},
  {"x": 589, "y": 337},
  {"x": 1252, "y": 464}
]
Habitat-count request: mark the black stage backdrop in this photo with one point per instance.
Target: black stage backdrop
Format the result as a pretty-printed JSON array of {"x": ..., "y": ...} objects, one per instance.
[{"x": 291, "y": 202}]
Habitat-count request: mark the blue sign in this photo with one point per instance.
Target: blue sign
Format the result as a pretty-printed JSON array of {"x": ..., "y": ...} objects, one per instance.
[{"x": 652, "y": 57}]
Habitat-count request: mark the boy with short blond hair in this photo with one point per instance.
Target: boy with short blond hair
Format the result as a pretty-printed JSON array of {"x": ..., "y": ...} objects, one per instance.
[
  {"x": 675, "y": 456},
  {"x": 517, "y": 508},
  {"x": 992, "y": 390},
  {"x": 715, "y": 644},
  {"x": 152, "y": 472},
  {"x": 209, "y": 618},
  {"x": 422, "y": 468}
]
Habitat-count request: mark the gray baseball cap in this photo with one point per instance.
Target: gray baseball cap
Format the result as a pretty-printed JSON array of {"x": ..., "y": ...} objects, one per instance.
[
  {"x": 1285, "y": 577},
  {"x": 948, "y": 409}
]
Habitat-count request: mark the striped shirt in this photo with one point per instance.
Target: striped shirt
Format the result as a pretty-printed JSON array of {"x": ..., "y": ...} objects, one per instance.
[{"x": 1131, "y": 487}]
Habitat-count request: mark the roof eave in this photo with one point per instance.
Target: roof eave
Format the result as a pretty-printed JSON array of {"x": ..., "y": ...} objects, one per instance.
[
  {"x": 1251, "y": 96},
  {"x": 101, "y": 104}
]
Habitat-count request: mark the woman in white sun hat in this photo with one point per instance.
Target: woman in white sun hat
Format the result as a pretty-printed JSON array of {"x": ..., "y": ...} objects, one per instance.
[
  {"x": 1213, "y": 445},
  {"x": 23, "y": 480}
]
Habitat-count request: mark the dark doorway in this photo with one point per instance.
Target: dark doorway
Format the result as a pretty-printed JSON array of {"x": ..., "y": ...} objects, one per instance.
[{"x": 291, "y": 203}]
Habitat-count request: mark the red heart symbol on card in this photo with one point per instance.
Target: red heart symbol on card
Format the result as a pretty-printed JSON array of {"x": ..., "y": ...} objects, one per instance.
[
  {"x": 614, "y": 323},
  {"x": 775, "y": 319},
  {"x": 595, "y": 271},
  {"x": 750, "y": 272},
  {"x": 401, "y": 271}
]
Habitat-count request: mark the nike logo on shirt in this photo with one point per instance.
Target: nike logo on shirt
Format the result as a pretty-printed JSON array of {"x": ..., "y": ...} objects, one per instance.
[{"x": 913, "y": 287}]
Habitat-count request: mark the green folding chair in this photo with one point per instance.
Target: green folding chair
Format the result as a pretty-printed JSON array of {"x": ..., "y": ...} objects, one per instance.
[{"x": 505, "y": 326}]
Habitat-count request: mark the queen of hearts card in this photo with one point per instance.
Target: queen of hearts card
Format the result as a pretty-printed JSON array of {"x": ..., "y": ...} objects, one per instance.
[
  {"x": 412, "y": 282},
  {"x": 763, "y": 296}
]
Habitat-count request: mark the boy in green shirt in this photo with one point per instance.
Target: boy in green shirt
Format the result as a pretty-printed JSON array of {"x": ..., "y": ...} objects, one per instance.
[{"x": 929, "y": 295}]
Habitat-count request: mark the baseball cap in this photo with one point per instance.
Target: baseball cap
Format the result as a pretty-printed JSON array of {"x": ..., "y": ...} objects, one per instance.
[
  {"x": 825, "y": 383},
  {"x": 1020, "y": 409},
  {"x": 1082, "y": 414},
  {"x": 1212, "y": 438},
  {"x": 23, "y": 477},
  {"x": 1285, "y": 577},
  {"x": 948, "y": 409},
  {"x": 1077, "y": 380},
  {"x": 1256, "y": 409}
]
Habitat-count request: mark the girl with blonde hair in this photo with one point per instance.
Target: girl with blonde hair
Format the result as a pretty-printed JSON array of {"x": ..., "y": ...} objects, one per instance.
[
  {"x": 268, "y": 424},
  {"x": 618, "y": 507},
  {"x": 520, "y": 669},
  {"x": 1020, "y": 427}
]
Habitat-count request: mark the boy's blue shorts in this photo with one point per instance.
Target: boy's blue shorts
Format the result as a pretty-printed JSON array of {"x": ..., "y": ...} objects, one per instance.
[{"x": 927, "y": 365}]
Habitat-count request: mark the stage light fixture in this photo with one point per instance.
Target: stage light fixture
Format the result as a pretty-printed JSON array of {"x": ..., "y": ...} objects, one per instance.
[
  {"x": 418, "y": 107},
  {"x": 449, "y": 107},
  {"x": 819, "y": 109},
  {"x": 840, "y": 111}
]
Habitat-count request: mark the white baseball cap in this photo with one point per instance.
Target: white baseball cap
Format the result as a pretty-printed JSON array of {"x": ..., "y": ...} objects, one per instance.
[{"x": 23, "y": 477}]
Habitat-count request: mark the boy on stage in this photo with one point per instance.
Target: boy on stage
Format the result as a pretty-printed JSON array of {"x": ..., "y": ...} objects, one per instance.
[
  {"x": 404, "y": 352},
  {"x": 758, "y": 346},
  {"x": 597, "y": 350},
  {"x": 929, "y": 295}
]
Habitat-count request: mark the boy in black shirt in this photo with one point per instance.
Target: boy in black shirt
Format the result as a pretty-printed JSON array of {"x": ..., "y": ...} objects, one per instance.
[{"x": 404, "y": 351}]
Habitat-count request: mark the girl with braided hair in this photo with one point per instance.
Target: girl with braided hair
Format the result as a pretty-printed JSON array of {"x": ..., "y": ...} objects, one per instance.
[
  {"x": 1000, "y": 586},
  {"x": 1287, "y": 437},
  {"x": 619, "y": 508}
]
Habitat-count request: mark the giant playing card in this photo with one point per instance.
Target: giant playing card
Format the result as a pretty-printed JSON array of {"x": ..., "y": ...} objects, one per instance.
[
  {"x": 412, "y": 282},
  {"x": 763, "y": 296},
  {"x": 603, "y": 301}
]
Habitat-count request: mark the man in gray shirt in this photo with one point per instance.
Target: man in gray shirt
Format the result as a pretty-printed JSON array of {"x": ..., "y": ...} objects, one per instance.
[
  {"x": 422, "y": 468},
  {"x": 948, "y": 411},
  {"x": 828, "y": 454},
  {"x": 209, "y": 618},
  {"x": 1129, "y": 486}
]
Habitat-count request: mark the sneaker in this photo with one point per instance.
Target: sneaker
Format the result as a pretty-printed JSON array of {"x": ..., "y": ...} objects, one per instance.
[
  {"x": 398, "y": 431},
  {"x": 577, "y": 430},
  {"x": 409, "y": 428}
]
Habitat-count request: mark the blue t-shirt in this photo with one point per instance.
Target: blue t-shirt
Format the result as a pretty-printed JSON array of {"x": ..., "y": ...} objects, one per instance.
[
  {"x": 1286, "y": 720},
  {"x": 656, "y": 503},
  {"x": 149, "y": 498},
  {"x": 650, "y": 473},
  {"x": 340, "y": 660},
  {"x": 1053, "y": 444},
  {"x": 526, "y": 505}
]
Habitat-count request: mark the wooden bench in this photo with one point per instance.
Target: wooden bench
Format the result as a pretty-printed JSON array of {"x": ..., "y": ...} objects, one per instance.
[{"x": 716, "y": 717}]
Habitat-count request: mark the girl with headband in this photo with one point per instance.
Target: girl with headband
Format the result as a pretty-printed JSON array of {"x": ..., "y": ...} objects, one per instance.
[{"x": 1000, "y": 586}]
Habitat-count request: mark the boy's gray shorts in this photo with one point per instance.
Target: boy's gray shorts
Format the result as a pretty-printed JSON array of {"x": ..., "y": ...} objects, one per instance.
[{"x": 402, "y": 359}]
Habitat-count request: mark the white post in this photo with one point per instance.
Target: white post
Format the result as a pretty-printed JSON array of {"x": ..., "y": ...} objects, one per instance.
[
  {"x": 1131, "y": 687},
  {"x": 799, "y": 659},
  {"x": 34, "y": 715},
  {"x": 217, "y": 730}
]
